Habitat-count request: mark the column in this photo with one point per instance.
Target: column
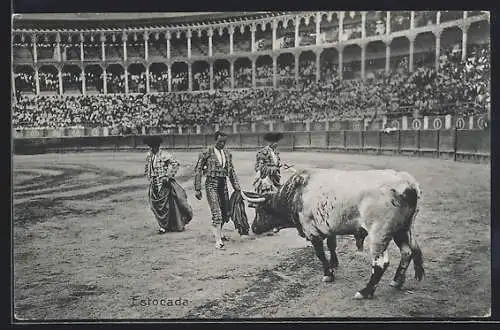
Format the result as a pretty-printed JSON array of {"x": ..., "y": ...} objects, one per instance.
[
  {"x": 388, "y": 23},
  {"x": 169, "y": 85},
  {"x": 254, "y": 82},
  {"x": 189, "y": 34},
  {"x": 84, "y": 85},
  {"x": 190, "y": 77},
  {"x": 387, "y": 55},
  {"x": 275, "y": 60},
  {"x": 58, "y": 47},
  {"x": 252, "y": 30},
  {"x": 146, "y": 48},
  {"x": 124, "y": 40},
  {"x": 103, "y": 47},
  {"x": 438, "y": 17},
  {"x": 13, "y": 83},
  {"x": 168, "y": 36},
  {"x": 59, "y": 75},
  {"x": 438, "y": 48},
  {"x": 37, "y": 82},
  {"x": 82, "y": 57},
  {"x": 465, "y": 28},
  {"x": 318, "y": 29},
  {"x": 341, "y": 62},
  {"x": 296, "y": 68},
  {"x": 231, "y": 42},
  {"x": 231, "y": 69},
  {"x": 318, "y": 65},
  {"x": 210, "y": 46},
  {"x": 363, "y": 25},
  {"x": 105, "y": 81},
  {"x": 363, "y": 60},
  {"x": 297, "y": 22},
  {"x": 340, "y": 15},
  {"x": 125, "y": 72},
  {"x": 274, "y": 26},
  {"x": 147, "y": 78},
  {"x": 211, "y": 73},
  {"x": 412, "y": 51},
  {"x": 35, "y": 55},
  {"x": 412, "y": 20}
]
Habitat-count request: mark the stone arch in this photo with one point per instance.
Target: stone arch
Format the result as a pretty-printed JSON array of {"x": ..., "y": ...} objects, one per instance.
[
  {"x": 201, "y": 75},
  {"x": 243, "y": 72},
  {"x": 178, "y": 45},
  {"x": 451, "y": 41},
  {"x": 329, "y": 28},
  {"x": 425, "y": 18},
  {"x": 24, "y": 79},
  {"x": 400, "y": 20},
  {"x": 307, "y": 31},
  {"x": 72, "y": 79},
  {"x": 48, "y": 79},
  {"x": 307, "y": 65},
  {"x": 264, "y": 71},
  {"x": 352, "y": 25},
  {"x": 375, "y": 58},
  {"x": 400, "y": 50},
  {"x": 136, "y": 78},
  {"x": 425, "y": 49},
  {"x": 263, "y": 37},
  {"x": 286, "y": 69},
  {"x": 158, "y": 73},
  {"x": 329, "y": 63},
  {"x": 375, "y": 23},
  {"x": 94, "y": 79},
  {"x": 222, "y": 74},
  {"x": 285, "y": 34},
  {"x": 242, "y": 39},
  {"x": 351, "y": 62},
  {"x": 115, "y": 79},
  {"x": 180, "y": 78}
]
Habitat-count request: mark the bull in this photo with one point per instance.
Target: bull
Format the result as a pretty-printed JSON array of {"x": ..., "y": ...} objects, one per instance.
[{"x": 380, "y": 205}]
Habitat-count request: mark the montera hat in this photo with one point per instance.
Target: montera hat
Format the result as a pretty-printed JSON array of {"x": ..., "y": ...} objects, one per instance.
[
  {"x": 273, "y": 136},
  {"x": 152, "y": 141}
]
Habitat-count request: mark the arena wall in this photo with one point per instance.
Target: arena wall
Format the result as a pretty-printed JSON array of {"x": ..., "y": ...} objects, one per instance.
[{"x": 454, "y": 144}]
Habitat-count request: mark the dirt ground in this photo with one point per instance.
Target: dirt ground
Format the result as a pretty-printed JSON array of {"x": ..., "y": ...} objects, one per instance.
[{"x": 86, "y": 247}]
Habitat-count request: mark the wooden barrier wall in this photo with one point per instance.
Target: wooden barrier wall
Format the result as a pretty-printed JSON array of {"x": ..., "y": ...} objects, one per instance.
[{"x": 437, "y": 143}]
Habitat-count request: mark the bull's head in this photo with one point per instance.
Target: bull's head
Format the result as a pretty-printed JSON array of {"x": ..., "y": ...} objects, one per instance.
[{"x": 279, "y": 210}]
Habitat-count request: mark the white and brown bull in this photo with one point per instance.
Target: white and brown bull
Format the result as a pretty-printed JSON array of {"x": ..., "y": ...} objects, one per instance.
[{"x": 378, "y": 204}]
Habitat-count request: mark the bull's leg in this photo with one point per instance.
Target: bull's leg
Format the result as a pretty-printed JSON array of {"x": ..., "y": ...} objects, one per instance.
[
  {"x": 331, "y": 241},
  {"x": 402, "y": 240},
  {"x": 418, "y": 261},
  {"x": 320, "y": 253},
  {"x": 360, "y": 236},
  {"x": 378, "y": 248}
]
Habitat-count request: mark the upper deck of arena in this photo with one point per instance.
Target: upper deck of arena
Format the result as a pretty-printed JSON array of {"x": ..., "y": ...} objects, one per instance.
[{"x": 84, "y": 21}]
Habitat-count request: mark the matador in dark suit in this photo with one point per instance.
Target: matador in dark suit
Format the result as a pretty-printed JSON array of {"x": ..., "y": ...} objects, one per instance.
[{"x": 216, "y": 164}]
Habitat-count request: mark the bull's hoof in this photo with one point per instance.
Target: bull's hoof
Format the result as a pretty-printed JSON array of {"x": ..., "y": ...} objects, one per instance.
[
  {"x": 419, "y": 273},
  {"x": 328, "y": 279},
  {"x": 366, "y": 293},
  {"x": 396, "y": 284}
]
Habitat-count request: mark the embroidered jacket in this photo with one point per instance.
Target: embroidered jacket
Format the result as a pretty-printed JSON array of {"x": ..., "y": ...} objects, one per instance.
[
  {"x": 209, "y": 165},
  {"x": 160, "y": 166},
  {"x": 267, "y": 167},
  {"x": 266, "y": 159}
]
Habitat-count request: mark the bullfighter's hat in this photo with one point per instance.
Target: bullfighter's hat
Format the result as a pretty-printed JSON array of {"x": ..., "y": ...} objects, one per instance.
[
  {"x": 273, "y": 136},
  {"x": 152, "y": 141}
]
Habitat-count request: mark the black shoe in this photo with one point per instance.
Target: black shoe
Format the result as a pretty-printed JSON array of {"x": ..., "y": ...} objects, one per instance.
[{"x": 161, "y": 231}]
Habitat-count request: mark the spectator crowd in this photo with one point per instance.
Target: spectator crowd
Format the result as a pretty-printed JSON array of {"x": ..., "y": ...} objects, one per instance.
[{"x": 457, "y": 86}]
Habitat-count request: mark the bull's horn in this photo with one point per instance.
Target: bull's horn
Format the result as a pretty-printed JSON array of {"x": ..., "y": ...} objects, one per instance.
[{"x": 252, "y": 200}]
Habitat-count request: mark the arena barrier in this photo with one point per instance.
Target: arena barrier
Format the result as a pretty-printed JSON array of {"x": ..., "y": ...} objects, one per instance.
[{"x": 455, "y": 144}]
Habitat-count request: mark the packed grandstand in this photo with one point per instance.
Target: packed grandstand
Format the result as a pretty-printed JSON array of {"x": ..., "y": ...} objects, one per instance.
[{"x": 228, "y": 68}]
